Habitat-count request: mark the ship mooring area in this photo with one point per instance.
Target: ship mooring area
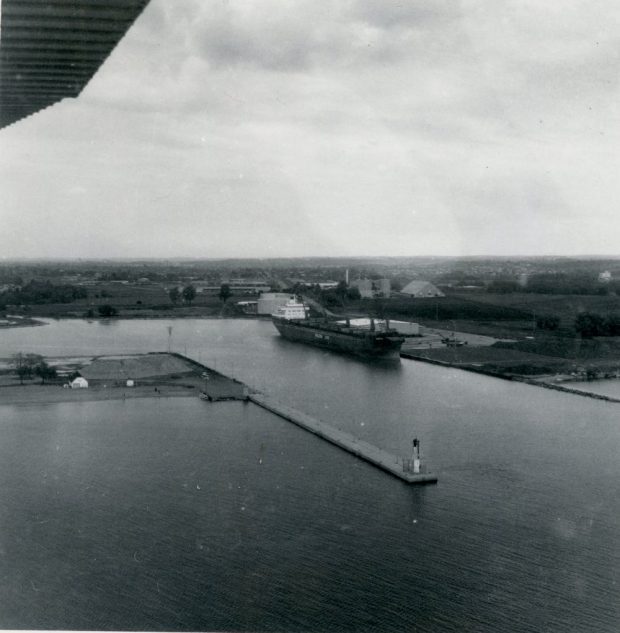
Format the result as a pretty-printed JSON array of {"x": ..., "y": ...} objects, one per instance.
[{"x": 386, "y": 461}]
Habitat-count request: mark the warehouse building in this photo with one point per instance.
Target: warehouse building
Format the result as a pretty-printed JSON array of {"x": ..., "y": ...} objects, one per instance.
[{"x": 421, "y": 289}]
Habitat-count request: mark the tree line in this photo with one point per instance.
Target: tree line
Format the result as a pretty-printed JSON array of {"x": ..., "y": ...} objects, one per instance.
[
  {"x": 27, "y": 366},
  {"x": 42, "y": 292},
  {"x": 328, "y": 297},
  {"x": 188, "y": 294},
  {"x": 590, "y": 324},
  {"x": 555, "y": 283}
]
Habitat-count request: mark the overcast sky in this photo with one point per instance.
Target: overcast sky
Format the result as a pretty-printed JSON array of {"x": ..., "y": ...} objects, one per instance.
[{"x": 352, "y": 127}]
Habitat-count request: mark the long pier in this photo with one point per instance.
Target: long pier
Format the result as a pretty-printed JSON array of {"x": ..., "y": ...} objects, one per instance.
[{"x": 369, "y": 453}]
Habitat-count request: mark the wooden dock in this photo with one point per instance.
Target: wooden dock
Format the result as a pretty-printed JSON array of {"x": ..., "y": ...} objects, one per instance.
[{"x": 369, "y": 453}]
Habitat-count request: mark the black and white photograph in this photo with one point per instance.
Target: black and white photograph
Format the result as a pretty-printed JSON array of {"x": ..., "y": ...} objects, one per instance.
[{"x": 310, "y": 316}]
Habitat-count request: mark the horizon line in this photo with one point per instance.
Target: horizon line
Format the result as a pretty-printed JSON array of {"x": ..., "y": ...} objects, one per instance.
[{"x": 151, "y": 258}]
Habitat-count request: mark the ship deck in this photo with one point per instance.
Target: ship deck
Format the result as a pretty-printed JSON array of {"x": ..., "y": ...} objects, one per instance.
[{"x": 333, "y": 326}]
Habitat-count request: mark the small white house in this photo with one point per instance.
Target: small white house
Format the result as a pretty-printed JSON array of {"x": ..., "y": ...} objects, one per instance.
[
  {"x": 131, "y": 383},
  {"x": 79, "y": 383}
]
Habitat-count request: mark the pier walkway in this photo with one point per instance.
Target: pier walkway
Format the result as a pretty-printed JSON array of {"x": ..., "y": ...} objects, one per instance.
[{"x": 373, "y": 455}]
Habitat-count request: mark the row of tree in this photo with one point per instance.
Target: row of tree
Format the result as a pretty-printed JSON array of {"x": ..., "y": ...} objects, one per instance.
[
  {"x": 188, "y": 294},
  {"x": 27, "y": 366},
  {"x": 555, "y": 284},
  {"x": 548, "y": 322},
  {"x": 567, "y": 284},
  {"x": 42, "y": 292},
  {"x": 105, "y": 311},
  {"x": 590, "y": 324},
  {"x": 330, "y": 297}
]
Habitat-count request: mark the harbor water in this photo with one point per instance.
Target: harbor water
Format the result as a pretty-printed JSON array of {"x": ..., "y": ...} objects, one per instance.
[{"x": 176, "y": 514}]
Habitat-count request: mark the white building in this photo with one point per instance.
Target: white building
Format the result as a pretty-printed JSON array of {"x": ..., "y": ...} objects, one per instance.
[
  {"x": 79, "y": 383},
  {"x": 605, "y": 277},
  {"x": 422, "y": 289},
  {"x": 327, "y": 285},
  {"x": 248, "y": 307},
  {"x": 236, "y": 286},
  {"x": 364, "y": 286},
  {"x": 269, "y": 302}
]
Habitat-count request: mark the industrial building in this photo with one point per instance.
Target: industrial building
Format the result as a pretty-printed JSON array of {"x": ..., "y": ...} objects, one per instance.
[
  {"x": 238, "y": 287},
  {"x": 421, "y": 289}
]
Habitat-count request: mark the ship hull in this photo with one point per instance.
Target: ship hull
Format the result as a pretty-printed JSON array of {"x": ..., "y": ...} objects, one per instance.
[{"x": 367, "y": 345}]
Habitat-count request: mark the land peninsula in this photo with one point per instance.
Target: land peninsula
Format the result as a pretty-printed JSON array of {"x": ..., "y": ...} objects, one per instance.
[{"x": 120, "y": 377}]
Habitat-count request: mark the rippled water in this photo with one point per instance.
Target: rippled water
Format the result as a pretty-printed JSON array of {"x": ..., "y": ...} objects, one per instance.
[{"x": 176, "y": 514}]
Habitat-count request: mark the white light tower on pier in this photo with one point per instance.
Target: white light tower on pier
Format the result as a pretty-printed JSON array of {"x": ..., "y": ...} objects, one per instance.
[{"x": 416, "y": 455}]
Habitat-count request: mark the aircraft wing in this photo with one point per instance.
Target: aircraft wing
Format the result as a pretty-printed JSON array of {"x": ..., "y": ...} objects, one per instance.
[{"x": 50, "y": 49}]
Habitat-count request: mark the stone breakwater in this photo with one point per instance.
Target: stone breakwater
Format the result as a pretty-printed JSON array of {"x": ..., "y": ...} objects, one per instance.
[
  {"x": 369, "y": 453},
  {"x": 577, "y": 392},
  {"x": 523, "y": 379}
]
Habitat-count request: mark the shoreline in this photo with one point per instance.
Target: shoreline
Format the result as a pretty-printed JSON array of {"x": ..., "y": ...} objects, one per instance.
[
  {"x": 30, "y": 322},
  {"x": 514, "y": 378},
  {"x": 52, "y": 394},
  {"x": 38, "y": 320},
  {"x": 155, "y": 375}
]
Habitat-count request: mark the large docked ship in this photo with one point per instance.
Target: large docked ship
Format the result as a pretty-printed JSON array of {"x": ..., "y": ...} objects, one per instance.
[{"x": 293, "y": 323}]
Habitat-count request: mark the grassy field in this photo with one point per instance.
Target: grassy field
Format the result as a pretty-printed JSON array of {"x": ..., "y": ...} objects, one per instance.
[
  {"x": 528, "y": 351},
  {"x": 439, "y": 309},
  {"x": 496, "y": 329},
  {"x": 571, "y": 348},
  {"x": 135, "y": 367},
  {"x": 154, "y": 375},
  {"x": 567, "y": 307},
  {"x": 514, "y": 361},
  {"x": 135, "y": 300},
  {"x": 495, "y": 360}
]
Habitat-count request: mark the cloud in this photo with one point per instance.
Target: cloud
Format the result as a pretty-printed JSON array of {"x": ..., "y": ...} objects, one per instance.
[{"x": 345, "y": 127}]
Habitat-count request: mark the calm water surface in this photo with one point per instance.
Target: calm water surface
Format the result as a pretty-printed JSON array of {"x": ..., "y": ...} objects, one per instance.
[
  {"x": 177, "y": 514},
  {"x": 608, "y": 387}
]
